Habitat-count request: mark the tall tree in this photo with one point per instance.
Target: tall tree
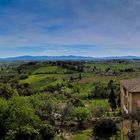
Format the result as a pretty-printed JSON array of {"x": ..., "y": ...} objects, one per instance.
[{"x": 112, "y": 100}]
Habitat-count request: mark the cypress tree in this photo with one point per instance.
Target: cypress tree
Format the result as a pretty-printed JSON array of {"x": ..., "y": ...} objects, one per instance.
[{"x": 112, "y": 99}]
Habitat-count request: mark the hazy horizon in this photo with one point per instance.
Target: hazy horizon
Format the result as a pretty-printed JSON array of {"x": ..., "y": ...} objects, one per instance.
[
  {"x": 26, "y": 55},
  {"x": 94, "y": 28}
]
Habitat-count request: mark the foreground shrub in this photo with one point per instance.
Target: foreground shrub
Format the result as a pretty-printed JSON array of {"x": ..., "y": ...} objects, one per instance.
[
  {"x": 6, "y": 91},
  {"x": 46, "y": 132},
  {"x": 20, "y": 113},
  {"x": 3, "y": 116},
  {"x": 23, "y": 133},
  {"x": 105, "y": 128}
]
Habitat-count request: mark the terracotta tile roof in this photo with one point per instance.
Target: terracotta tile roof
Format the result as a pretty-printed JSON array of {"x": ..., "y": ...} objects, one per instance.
[{"x": 132, "y": 85}]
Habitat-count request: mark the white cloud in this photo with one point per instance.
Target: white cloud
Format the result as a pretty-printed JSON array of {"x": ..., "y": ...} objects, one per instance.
[{"x": 112, "y": 25}]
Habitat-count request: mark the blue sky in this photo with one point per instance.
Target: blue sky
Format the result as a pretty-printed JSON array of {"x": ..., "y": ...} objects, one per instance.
[{"x": 69, "y": 27}]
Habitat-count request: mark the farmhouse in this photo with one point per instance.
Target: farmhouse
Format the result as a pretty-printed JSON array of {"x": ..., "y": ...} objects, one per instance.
[{"x": 130, "y": 95}]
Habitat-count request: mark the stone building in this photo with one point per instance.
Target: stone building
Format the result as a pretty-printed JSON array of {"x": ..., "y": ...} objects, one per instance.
[{"x": 130, "y": 95}]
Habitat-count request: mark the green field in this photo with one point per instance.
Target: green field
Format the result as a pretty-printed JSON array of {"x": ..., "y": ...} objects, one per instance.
[
  {"x": 44, "y": 75},
  {"x": 49, "y": 70},
  {"x": 37, "y": 81}
]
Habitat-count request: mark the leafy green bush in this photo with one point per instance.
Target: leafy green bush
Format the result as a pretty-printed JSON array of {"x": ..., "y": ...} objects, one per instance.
[
  {"x": 105, "y": 128},
  {"x": 76, "y": 102},
  {"x": 23, "y": 133},
  {"x": 23, "y": 76},
  {"x": 6, "y": 91},
  {"x": 3, "y": 116},
  {"x": 20, "y": 113},
  {"x": 80, "y": 114},
  {"x": 46, "y": 132}
]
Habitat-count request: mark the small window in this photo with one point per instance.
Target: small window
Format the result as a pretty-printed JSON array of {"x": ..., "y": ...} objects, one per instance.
[{"x": 124, "y": 91}]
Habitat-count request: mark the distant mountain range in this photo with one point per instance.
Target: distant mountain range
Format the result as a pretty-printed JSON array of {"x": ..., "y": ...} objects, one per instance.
[{"x": 70, "y": 57}]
